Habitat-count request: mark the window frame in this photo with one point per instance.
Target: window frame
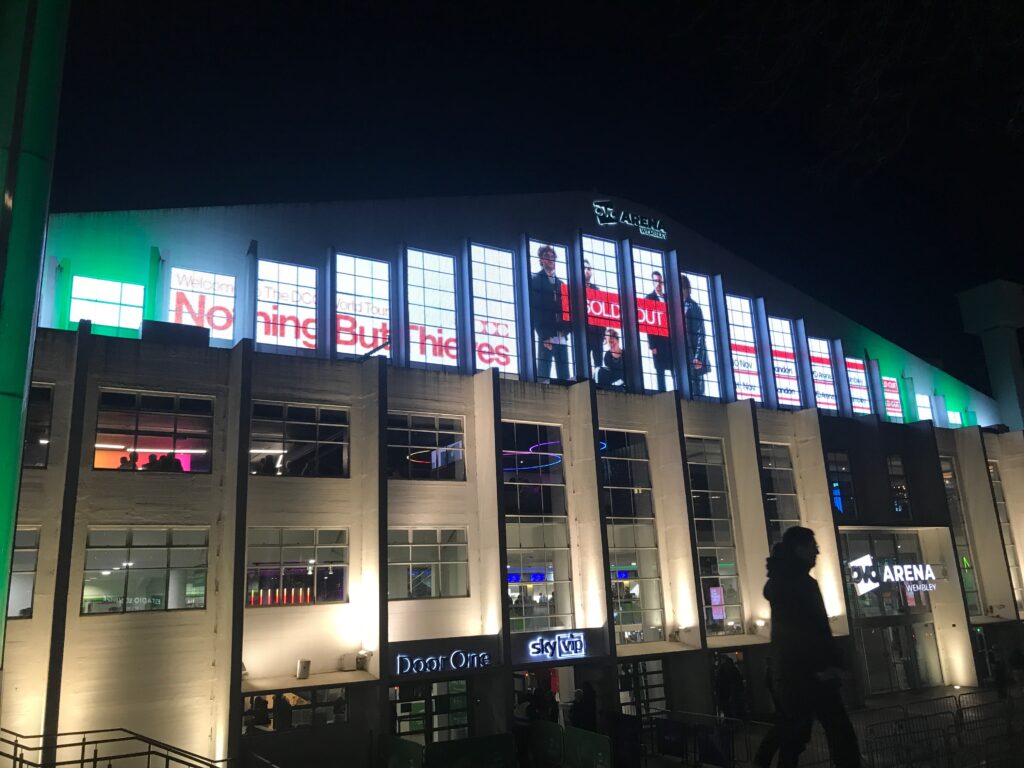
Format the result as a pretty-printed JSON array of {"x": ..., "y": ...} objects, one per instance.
[
  {"x": 282, "y": 565},
  {"x": 412, "y": 450},
  {"x": 46, "y": 434},
  {"x": 436, "y": 565},
  {"x": 15, "y": 570},
  {"x": 454, "y": 331},
  {"x": 344, "y": 445}
]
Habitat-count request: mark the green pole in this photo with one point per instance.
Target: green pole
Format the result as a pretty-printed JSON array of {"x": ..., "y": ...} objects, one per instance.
[{"x": 32, "y": 34}]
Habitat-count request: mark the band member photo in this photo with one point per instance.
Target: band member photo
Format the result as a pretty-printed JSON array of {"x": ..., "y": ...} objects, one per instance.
[
  {"x": 547, "y": 317},
  {"x": 697, "y": 366},
  {"x": 660, "y": 346},
  {"x": 612, "y": 372},
  {"x": 595, "y": 333}
]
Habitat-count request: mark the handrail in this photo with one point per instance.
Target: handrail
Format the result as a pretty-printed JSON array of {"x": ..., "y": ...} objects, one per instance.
[{"x": 89, "y": 743}]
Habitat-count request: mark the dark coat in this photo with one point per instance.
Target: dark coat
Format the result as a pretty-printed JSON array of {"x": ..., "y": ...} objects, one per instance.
[
  {"x": 546, "y": 306},
  {"x": 663, "y": 344},
  {"x": 696, "y": 343}
]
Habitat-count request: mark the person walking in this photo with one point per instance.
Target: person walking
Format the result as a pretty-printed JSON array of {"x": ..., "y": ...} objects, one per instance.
[{"x": 805, "y": 659}]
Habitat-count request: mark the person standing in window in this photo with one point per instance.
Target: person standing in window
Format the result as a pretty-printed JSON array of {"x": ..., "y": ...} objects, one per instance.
[
  {"x": 546, "y": 314},
  {"x": 595, "y": 333},
  {"x": 696, "y": 345},
  {"x": 660, "y": 346}
]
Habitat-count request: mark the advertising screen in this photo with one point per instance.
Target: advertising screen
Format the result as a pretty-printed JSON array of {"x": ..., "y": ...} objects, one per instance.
[
  {"x": 652, "y": 319},
  {"x": 494, "y": 310},
  {"x": 822, "y": 374},
  {"x": 362, "y": 306},
  {"x": 106, "y": 302},
  {"x": 202, "y": 299},
  {"x": 550, "y": 316},
  {"x": 891, "y": 392},
  {"x": 433, "y": 334},
  {"x": 699, "y": 324},
  {"x": 787, "y": 384},
  {"x": 604, "y": 312},
  {"x": 285, "y": 305},
  {"x": 743, "y": 348},
  {"x": 860, "y": 396}
]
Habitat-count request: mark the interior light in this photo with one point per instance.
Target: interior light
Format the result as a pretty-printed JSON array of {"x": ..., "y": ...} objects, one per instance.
[
  {"x": 44, "y": 442},
  {"x": 110, "y": 446},
  {"x": 127, "y": 565},
  {"x": 759, "y": 622},
  {"x": 266, "y": 450},
  {"x": 104, "y": 573}
]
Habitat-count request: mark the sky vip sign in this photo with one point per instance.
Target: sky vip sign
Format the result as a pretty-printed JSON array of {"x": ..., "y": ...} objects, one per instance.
[
  {"x": 558, "y": 646},
  {"x": 866, "y": 576},
  {"x": 203, "y": 300}
]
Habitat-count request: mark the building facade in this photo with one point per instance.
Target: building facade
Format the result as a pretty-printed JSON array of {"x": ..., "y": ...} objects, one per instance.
[{"x": 311, "y": 473}]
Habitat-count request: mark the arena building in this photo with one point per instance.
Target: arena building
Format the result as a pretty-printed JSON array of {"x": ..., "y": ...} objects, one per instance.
[{"x": 350, "y": 469}]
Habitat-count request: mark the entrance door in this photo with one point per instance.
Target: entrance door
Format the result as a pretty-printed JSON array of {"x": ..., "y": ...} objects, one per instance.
[
  {"x": 900, "y": 658},
  {"x": 430, "y": 712}
]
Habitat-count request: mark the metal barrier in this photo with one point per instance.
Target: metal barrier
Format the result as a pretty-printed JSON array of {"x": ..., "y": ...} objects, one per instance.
[{"x": 109, "y": 748}]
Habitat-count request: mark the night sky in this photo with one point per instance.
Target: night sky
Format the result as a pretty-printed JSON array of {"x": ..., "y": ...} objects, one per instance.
[{"x": 868, "y": 153}]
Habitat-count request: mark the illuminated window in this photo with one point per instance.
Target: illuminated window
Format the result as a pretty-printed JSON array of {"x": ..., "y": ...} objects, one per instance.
[
  {"x": 701, "y": 352},
  {"x": 924, "y": 407},
  {"x": 35, "y": 452},
  {"x": 1009, "y": 543},
  {"x": 144, "y": 569},
  {"x": 106, "y": 302},
  {"x": 961, "y": 537},
  {"x": 840, "y": 483},
  {"x": 428, "y": 713},
  {"x": 153, "y": 432},
  {"x": 294, "y": 440},
  {"x": 296, "y": 566},
  {"x": 652, "y": 319},
  {"x": 955, "y": 419},
  {"x": 604, "y": 309},
  {"x": 550, "y": 316},
  {"x": 779, "y": 484},
  {"x": 204, "y": 300},
  {"x": 900, "y": 494},
  {"x": 286, "y": 305},
  {"x": 362, "y": 306},
  {"x": 628, "y": 506},
  {"x": 787, "y": 384},
  {"x": 893, "y": 405},
  {"x": 860, "y": 396},
  {"x": 294, "y": 707},
  {"x": 433, "y": 335},
  {"x": 539, "y": 571},
  {"x": 716, "y": 544},
  {"x": 494, "y": 310},
  {"x": 744, "y": 350},
  {"x": 427, "y": 562},
  {"x": 425, "y": 447},
  {"x": 822, "y": 374},
  {"x": 23, "y": 573}
]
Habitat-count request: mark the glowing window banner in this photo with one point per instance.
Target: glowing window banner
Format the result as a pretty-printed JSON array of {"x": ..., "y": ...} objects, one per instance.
[
  {"x": 494, "y": 310},
  {"x": 433, "y": 331},
  {"x": 860, "y": 397},
  {"x": 822, "y": 374},
  {"x": 924, "y": 407},
  {"x": 362, "y": 306},
  {"x": 787, "y": 383},
  {"x": 699, "y": 324},
  {"x": 203, "y": 300},
  {"x": 550, "y": 316},
  {"x": 742, "y": 346},
  {"x": 285, "y": 305},
  {"x": 652, "y": 319},
  {"x": 106, "y": 302},
  {"x": 604, "y": 312},
  {"x": 891, "y": 392}
]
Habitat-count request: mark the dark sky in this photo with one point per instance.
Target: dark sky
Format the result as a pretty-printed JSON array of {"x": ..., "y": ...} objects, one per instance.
[{"x": 869, "y": 153}]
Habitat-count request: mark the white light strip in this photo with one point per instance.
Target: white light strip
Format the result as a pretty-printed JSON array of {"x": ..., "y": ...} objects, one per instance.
[
  {"x": 171, "y": 452},
  {"x": 110, "y": 446},
  {"x": 44, "y": 442},
  {"x": 268, "y": 450}
]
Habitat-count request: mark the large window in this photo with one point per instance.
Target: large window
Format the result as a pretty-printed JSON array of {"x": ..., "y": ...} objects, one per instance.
[
  {"x": 550, "y": 315},
  {"x": 787, "y": 383},
  {"x": 840, "y": 485},
  {"x": 899, "y": 492},
  {"x": 701, "y": 348},
  {"x": 716, "y": 542},
  {"x": 295, "y": 440},
  {"x": 961, "y": 537},
  {"x": 924, "y": 407},
  {"x": 881, "y": 550},
  {"x": 628, "y": 506},
  {"x": 893, "y": 404},
  {"x": 35, "y": 452},
  {"x": 144, "y": 569},
  {"x": 106, "y": 302},
  {"x": 283, "y": 710},
  {"x": 1009, "y": 542},
  {"x": 778, "y": 480},
  {"x": 296, "y": 566},
  {"x": 822, "y": 374},
  {"x": 494, "y": 310},
  {"x": 433, "y": 334},
  {"x": 362, "y": 306},
  {"x": 23, "y": 573},
  {"x": 642, "y": 687},
  {"x": 604, "y": 309},
  {"x": 423, "y": 446},
  {"x": 539, "y": 572},
  {"x": 286, "y": 305},
  {"x": 860, "y": 396},
  {"x": 745, "y": 369},
  {"x": 153, "y": 432},
  {"x": 204, "y": 300},
  {"x": 652, "y": 319},
  {"x": 427, "y": 562},
  {"x": 427, "y": 713}
]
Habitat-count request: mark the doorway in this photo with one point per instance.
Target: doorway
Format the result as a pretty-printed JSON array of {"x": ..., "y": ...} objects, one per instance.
[
  {"x": 430, "y": 712},
  {"x": 901, "y": 657}
]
